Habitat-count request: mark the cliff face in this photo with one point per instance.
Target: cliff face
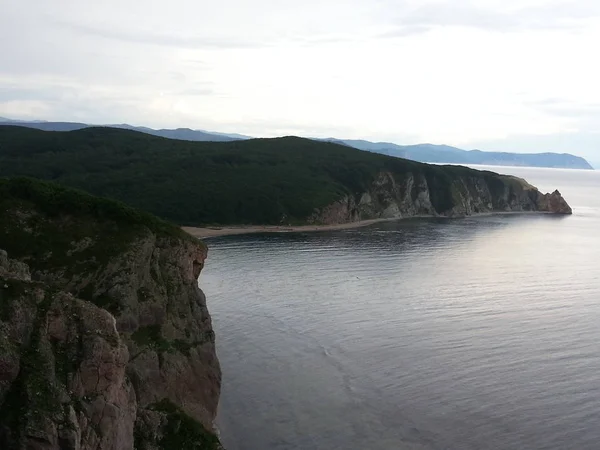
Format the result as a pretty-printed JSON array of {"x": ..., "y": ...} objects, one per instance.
[
  {"x": 254, "y": 182},
  {"x": 105, "y": 338},
  {"x": 408, "y": 194}
]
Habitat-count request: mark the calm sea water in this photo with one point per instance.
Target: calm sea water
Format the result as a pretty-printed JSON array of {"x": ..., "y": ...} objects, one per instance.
[{"x": 477, "y": 333}]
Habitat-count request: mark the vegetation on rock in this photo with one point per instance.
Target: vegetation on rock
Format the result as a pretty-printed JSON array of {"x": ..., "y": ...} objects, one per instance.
[
  {"x": 100, "y": 315},
  {"x": 53, "y": 226},
  {"x": 258, "y": 181}
]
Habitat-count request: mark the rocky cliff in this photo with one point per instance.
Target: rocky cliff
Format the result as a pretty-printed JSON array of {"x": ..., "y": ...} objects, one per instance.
[
  {"x": 279, "y": 181},
  {"x": 407, "y": 194},
  {"x": 105, "y": 338}
]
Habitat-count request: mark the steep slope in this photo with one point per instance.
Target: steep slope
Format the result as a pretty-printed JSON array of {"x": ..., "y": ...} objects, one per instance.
[
  {"x": 416, "y": 194},
  {"x": 430, "y": 153},
  {"x": 105, "y": 341},
  {"x": 259, "y": 181}
]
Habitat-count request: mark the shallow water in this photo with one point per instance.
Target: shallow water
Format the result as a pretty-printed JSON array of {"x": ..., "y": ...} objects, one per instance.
[{"x": 477, "y": 333}]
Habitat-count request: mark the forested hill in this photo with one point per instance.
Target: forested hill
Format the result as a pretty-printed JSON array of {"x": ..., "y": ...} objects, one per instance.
[
  {"x": 426, "y": 153},
  {"x": 177, "y": 133},
  {"x": 258, "y": 181}
]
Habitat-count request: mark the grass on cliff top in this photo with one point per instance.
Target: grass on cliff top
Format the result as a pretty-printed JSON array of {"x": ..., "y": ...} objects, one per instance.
[
  {"x": 257, "y": 181},
  {"x": 52, "y": 227},
  {"x": 55, "y": 200}
]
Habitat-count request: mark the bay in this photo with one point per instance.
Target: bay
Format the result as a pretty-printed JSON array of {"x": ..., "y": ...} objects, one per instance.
[{"x": 476, "y": 333}]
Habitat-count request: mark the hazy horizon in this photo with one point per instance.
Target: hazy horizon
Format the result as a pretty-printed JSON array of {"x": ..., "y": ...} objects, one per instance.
[
  {"x": 513, "y": 76},
  {"x": 309, "y": 137}
]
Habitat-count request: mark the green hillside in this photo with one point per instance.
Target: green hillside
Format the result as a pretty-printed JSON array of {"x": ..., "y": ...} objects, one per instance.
[
  {"x": 258, "y": 181},
  {"x": 57, "y": 217}
]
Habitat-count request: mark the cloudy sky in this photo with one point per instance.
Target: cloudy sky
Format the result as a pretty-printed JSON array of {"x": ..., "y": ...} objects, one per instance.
[{"x": 514, "y": 75}]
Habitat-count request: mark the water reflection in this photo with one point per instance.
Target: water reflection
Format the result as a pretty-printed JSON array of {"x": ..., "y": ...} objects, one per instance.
[{"x": 466, "y": 334}]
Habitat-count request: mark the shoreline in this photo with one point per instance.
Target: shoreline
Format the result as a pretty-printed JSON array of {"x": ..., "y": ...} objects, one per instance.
[{"x": 209, "y": 232}]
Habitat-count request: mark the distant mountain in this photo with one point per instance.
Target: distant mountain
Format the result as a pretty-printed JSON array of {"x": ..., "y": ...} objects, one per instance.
[
  {"x": 428, "y": 153},
  {"x": 184, "y": 134},
  {"x": 230, "y": 135},
  {"x": 337, "y": 141},
  {"x": 431, "y": 153},
  {"x": 48, "y": 126},
  {"x": 18, "y": 121},
  {"x": 286, "y": 180}
]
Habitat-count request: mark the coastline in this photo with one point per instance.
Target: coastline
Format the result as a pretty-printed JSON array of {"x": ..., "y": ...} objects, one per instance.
[{"x": 209, "y": 232}]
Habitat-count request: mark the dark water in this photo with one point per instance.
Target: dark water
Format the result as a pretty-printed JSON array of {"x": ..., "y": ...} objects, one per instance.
[{"x": 479, "y": 333}]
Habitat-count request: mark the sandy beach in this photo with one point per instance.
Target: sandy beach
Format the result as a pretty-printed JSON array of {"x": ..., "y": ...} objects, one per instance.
[
  {"x": 226, "y": 231},
  {"x": 208, "y": 232}
]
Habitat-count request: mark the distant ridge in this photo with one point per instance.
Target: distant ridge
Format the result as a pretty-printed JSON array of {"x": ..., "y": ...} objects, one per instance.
[
  {"x": 184, "y": 134},
  {"x": 430, "y": 153},
  {"x": 427, "y": 153},
  {"x": 278, "y": 181}
]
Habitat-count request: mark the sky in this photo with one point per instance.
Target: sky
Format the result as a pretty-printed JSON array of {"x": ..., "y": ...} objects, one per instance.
[{"x": 503, "y": 75}]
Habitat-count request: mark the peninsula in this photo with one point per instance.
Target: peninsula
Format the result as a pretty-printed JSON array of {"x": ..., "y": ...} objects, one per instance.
[{"x": 277, "y": 182}]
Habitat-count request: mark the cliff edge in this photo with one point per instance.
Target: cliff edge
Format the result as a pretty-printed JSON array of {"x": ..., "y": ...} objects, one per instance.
[
  {"x": 282, "y": 181},
  {"x": 434, "y": 193},
  {"x": 105, "y": 338}
]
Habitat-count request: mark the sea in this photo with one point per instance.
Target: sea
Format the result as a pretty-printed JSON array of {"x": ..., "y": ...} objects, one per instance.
[{"x": 476, "y": 333}]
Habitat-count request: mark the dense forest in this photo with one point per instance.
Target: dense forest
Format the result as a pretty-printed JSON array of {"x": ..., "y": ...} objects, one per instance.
[
  {"x": 34, "y": 207},
  {"x": 258, "y": 181}
]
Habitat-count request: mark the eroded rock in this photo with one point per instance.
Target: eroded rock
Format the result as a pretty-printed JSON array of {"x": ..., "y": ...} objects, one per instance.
[
  {"x": 106, "y": 342},
  {"x": 416, "y": 194}
]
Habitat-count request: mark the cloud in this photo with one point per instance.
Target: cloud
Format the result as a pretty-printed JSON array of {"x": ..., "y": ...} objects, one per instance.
[
  {"x": 566, "y": 108},
  {"x": 10, "y": 93},
  {"x": 238, "y": 41},
  {"x": 165, "y": 40},
  {"x": 581, "y": 143},
  {"x": 550, "y": 16},
  {"x": 317, "y": 68},
  {"x": 194, "y": 92},
  {"x": 581, "y": 138}
]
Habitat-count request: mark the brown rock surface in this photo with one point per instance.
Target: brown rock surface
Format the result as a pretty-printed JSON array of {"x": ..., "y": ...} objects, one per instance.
[
  {"x": 409, "y": 195},
  {"x": 105, "y": 339},
  {"x": 554, "y": 203}
]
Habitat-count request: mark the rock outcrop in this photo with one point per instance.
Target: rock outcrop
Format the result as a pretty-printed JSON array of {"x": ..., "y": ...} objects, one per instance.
[
  {"x": 397, "y": 195},
  {"x": 105, "y": 339},
  {"x": 554, "y": 203},
  {"x": 106, "y": 342}
]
